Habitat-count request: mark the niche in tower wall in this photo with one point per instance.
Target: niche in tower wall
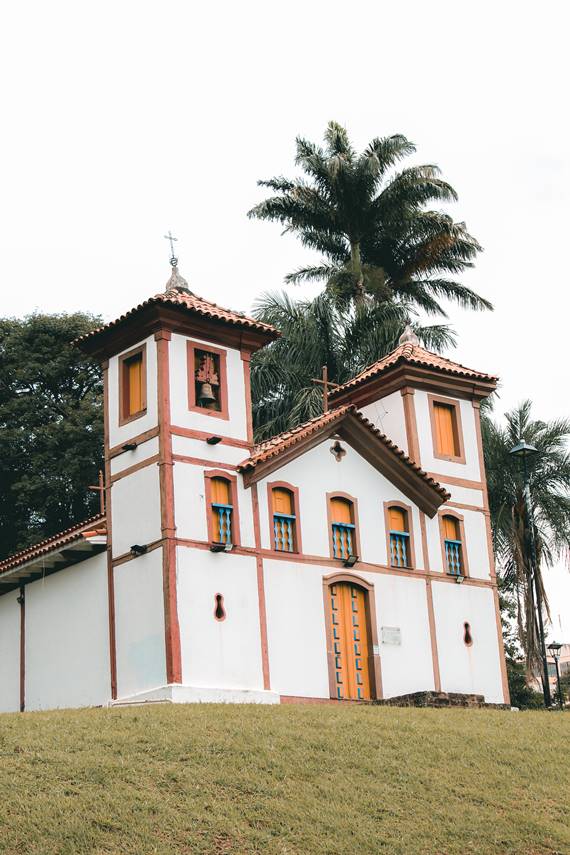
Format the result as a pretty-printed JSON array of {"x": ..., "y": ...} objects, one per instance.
[{"x": 207, "y": 380}]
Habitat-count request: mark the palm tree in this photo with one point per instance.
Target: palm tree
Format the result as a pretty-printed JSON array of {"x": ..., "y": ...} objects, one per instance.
[
  {"x": 549, "y": 472},
  {"x": 371, "y": 226},
  {"x": 316, "y": 333}
]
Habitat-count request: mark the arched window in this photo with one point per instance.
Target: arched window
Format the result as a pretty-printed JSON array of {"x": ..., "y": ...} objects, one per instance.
[
  {"x": 453, "y": 545},
  {"x": 400, "y": 548},
  {"x": 284, "y": 520},
  {"x": 221, "y": 510},
  {"x": 343, "y": 527}
]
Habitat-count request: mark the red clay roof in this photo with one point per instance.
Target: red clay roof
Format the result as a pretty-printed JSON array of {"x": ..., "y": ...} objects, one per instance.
[
  {"x": 186, "y": 300},
  {"x": 416, "y": 355},
  {"x": 55, "y": 542},
  {"x": 278, "y": 444},
  {"x": 271, "y": 447}
]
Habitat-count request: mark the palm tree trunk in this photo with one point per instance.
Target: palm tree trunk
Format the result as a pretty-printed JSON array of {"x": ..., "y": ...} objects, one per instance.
[{"x": 359, "y": 293}]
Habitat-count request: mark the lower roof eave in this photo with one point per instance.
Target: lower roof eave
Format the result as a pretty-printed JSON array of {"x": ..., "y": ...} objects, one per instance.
[{"x": 44, "y": 565}]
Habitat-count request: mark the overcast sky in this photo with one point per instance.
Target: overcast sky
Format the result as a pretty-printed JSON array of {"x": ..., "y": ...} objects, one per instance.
[{"x": 123, "y": 120}]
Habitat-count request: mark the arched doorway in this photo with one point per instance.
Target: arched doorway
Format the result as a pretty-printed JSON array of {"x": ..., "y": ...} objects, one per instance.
[{"x": 354, "y": 667}]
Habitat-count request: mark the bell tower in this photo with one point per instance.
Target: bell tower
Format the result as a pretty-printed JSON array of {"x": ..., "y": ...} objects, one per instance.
[{"x": 178, "y": 420}]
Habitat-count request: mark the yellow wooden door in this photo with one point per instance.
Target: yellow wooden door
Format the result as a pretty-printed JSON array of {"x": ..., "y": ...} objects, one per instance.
[{"x": 350, "y": 641}]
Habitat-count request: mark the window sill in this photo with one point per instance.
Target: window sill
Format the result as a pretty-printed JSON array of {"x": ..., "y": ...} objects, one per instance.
[{"x": 125, "y": 420}]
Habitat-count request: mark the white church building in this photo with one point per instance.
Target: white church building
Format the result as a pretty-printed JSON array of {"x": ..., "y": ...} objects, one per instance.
[{"x": 348, "y": 559}]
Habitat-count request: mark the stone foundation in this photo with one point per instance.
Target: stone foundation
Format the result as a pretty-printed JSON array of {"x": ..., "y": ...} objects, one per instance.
[{"x": 439, "y": 699}]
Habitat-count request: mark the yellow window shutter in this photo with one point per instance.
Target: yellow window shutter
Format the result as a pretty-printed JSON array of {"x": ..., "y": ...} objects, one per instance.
[
  {"x": 451, "y": 528},
  {"x": 446, "y": 431},
  {"x": 134, "y": 368},
  {"x": 398, "y": 519},
  {"x": 341, "y": 510},
  {"x": 282, "y": 501},
  {"x": 220, "y": 491}
]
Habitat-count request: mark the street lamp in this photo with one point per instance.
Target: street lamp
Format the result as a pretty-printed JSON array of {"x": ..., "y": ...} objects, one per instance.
[
  {"x": 523, "y": 450},
  {"x": 555, "y": 649}
]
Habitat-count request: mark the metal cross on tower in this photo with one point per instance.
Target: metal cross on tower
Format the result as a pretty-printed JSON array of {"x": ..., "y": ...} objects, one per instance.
[{"x": 170, "y": 237}]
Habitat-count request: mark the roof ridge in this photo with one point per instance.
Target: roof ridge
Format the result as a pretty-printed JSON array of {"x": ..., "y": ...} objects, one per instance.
[
  {"x": 402, "y": 454},
  {"x": 274, "y": 446},
  {"x": 341, "y": 408},
  {"x": 192, "y": 302},
  {"x": 415, "y": 354}
]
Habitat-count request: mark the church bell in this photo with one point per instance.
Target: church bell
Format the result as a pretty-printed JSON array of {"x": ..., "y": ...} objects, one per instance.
[{"x": 206, "y": 395}]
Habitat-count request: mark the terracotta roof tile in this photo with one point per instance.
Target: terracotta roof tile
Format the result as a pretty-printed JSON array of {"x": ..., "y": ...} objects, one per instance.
[
  {"x": 271, "y": 447},
  {"x": 278, "y": 444},
  {"x": 185, "y": 299},
  {"x": 55, "y": 542},
  {"x": 416, "y": 355}
]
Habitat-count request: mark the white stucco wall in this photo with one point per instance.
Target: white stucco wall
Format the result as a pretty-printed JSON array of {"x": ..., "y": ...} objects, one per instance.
[
  {"x": 236, "y": 425},
  {"x": 402, "y": 603},
  {"x": 387, "y": 414},
  {"x": 131, "y": 458},
  {"x": 297, "y": 631},
  {"x": 465, "y": 495},
  {"x": 139, "y": 624},
  {"x": 200, "y": 449},
  {"x": 475, "y": 543},
  {"x": 467, "y": 669},
  {"x": 190, "y": 504},
  {"x": 352, "y": 475},
  {"x": 469, "y": 469},
  {"x": 296, "y": 637},
  {"x": 119, "y": 434},
  {"x": 135, "y": 507},
  {"x": 224, "y": 654},
  {"x": 67, "y": 637},
  {"x": 9, "y": 652}
]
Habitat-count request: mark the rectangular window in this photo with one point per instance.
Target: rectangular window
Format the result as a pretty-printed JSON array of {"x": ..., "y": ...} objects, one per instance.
[
  {"x": 207, "y": 389},
  {"x": 343, "y": 527},
  {"x": 284, "y": 519},
  {"x": 399, "y": 535},
  {"x": 445, "y": 416},
  {"x": 222, "y": 508},
  {"x": 446, "y": 429},
  {"x": 132, "y": 385},
  {"x": 399, "y": 538},
  {"x": 453, "y": 546}
]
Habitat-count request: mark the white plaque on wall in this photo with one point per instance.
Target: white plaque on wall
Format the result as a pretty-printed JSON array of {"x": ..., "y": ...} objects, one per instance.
[{"x": 391, "y": 635}]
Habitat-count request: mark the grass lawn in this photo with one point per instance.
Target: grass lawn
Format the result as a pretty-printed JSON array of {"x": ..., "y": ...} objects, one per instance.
[{"x": 288, "y": 779}]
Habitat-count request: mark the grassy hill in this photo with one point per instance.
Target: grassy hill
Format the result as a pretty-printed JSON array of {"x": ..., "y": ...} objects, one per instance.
[{"x": 289, "y": 779}]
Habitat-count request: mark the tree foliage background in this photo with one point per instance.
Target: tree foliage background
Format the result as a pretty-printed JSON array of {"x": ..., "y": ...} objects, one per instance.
[
  {"x": 387, "y": 259},
  {"x": 51, "y": 427}
]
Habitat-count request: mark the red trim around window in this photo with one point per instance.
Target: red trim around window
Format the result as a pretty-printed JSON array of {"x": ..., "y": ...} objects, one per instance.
[
  {"x": 223, "y": 412},
  {"x": 284, "y": 485},
  {"x": 232, "y": 481}
]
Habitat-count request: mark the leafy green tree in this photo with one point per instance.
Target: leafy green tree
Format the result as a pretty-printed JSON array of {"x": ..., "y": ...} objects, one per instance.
[
  {"x": 549, "y": 472},
  {"x": 316, "y": 333},
  {"x": 371, "y": 225},
  {"x": 51, "y": 429}
]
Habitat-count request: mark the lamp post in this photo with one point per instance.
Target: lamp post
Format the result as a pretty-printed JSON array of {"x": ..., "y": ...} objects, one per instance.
[
  {"x": 523, "y": 450},
  {"x": 555, "y": 649}
]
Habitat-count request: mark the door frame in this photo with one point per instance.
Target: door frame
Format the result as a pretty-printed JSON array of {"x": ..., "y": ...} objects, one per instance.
[{"x": 374, "y": 664}]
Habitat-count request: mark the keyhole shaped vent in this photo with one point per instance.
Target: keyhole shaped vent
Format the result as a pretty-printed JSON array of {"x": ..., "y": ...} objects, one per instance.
[
  {"x": 467, "y": 637},
  {"x": 219, "y": 610}
]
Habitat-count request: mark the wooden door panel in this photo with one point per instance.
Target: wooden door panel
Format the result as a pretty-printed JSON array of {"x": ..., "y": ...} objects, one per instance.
[{"x": 350, "y": 641}]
